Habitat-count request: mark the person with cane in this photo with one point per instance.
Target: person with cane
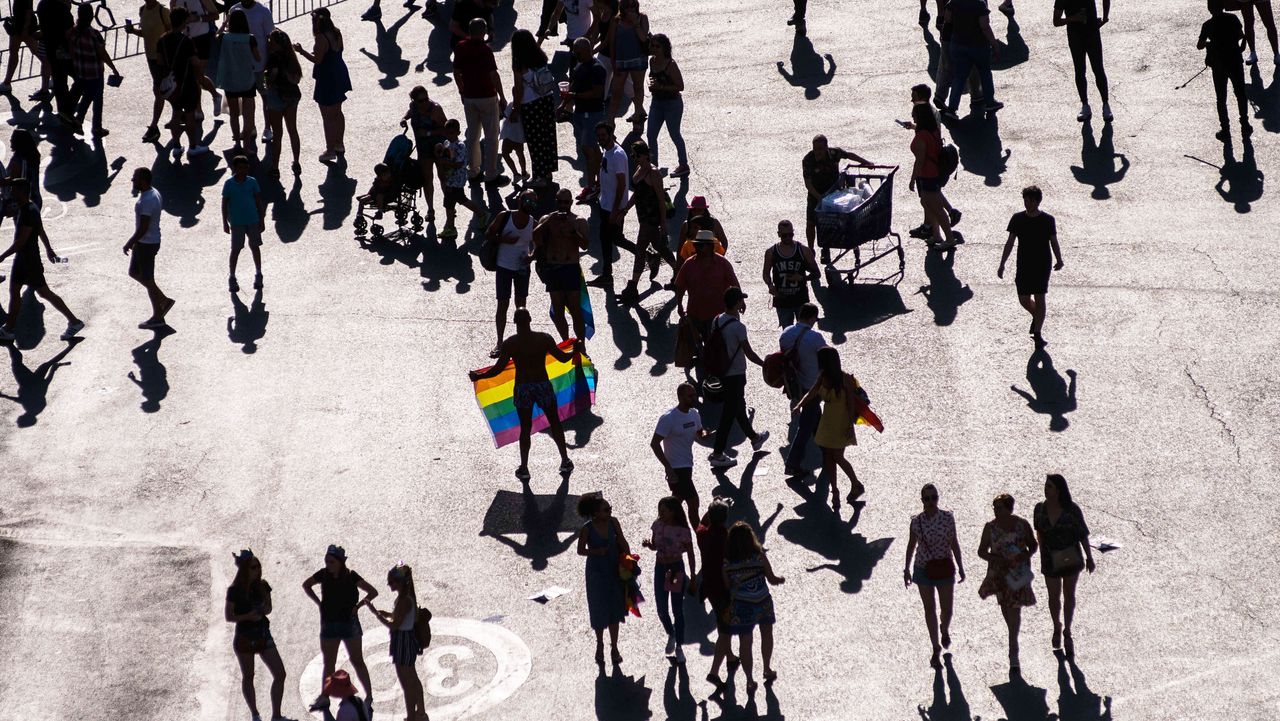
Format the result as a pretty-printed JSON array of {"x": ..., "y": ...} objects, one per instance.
[{"x": 1222, "y": 39}]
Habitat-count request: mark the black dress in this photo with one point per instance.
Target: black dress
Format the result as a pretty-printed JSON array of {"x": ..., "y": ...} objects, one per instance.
[{"x": 1069, "y": 531}]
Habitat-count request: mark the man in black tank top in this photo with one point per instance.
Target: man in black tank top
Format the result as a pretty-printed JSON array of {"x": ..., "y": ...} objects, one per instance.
[{"x": 788, "y": 268}]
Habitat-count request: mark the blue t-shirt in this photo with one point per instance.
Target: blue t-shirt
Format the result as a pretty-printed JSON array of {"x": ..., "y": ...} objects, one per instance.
[{"x": 242, "y": 209}]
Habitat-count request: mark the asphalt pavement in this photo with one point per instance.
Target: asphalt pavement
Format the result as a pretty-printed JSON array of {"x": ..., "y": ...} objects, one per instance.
[{"x": 333, "y": 407}]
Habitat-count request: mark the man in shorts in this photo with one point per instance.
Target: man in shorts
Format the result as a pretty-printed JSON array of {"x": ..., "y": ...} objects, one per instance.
[
  {"x": 558, "y": 242},
  {"x": 672, "y": 443},
  {"x": 529, "y": 349},
  {"x": 153, "y": 23},
  {"x": 586, "y": 93},
  {"x": 145, "y": 244},
  {"x": 821, "y": 170},
  {"x": 243, "y": 216},
  {"x": 1037, "y": 236},
  {"x": 28, "y": 270},
  {"x": 514, "y": 231}
]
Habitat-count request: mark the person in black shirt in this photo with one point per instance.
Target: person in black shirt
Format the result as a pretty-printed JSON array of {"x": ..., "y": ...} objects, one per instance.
[
  {"x": 248, "y": 605},
  {"x": 1222, "y": 38},
  {"x": 1084, "y": 39},
  {"x": 821, "y": 170},
  {"x": 1037, "y": 236},
  {"x": 463, "y": 13},
  {"x": 973, "y": 45},
  {"x": 55, "y": 22},
  {"x": 28, "y": 270},
  {"x": 339, "y": 602}
]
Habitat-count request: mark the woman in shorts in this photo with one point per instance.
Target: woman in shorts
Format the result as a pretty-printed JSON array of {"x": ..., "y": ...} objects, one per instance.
[
  {"x": 401, "y": 620},
  {"x": 282, "y": 74},
  {"x": 248, "y": 605},
  {"x": 237, "y": 76},
  {"x": 926, "y": 179},
  {"x": 629, "y": 43},
  {"x": 333, "y": 81},
  {"x": 934, "y": 545},
  {"x": 339, "y": 602}
]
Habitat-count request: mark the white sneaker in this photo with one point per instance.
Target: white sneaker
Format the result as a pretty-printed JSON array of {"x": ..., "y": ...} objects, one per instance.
[
  {"x": 1085, "y": 113},
  {"x": 720, "y": 460},
  {"x": 267, "y": 135},
  {"x": 1106, "y": 112},
  {"x": 679, "y": 655},
  {"x": 195, "y": 150},
  {"x": 759, "y": 442},
  {"x": 217, "y": 104},
  {"x": 1251, "y": 59},
  {"x": 671, "y": 645},
  {"x": 73, "y": 329}
]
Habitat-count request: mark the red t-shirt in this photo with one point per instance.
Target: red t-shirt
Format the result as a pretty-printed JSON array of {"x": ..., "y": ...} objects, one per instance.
[
  {"x": 706, "y": 281},
  {"x": 929, "y": 146},
  {"x": 474, "y": 63}
]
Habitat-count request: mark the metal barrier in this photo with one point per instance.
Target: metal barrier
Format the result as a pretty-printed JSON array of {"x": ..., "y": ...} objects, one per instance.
[{"x": 121, "y": 45}]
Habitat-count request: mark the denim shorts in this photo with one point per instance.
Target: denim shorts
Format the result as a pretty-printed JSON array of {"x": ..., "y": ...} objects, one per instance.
[
  {"x": 920, "y": 578},
  {"x": 340, "y": 630},
  {"x": 584, "y": 127}
]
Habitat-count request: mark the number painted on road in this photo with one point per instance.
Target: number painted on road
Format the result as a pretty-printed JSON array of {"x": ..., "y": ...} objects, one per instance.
[{"x": 471, "y": 667}]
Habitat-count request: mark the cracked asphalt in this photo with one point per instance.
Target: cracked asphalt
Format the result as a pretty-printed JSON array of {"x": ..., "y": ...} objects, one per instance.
[{"x": 334, "y": 408}]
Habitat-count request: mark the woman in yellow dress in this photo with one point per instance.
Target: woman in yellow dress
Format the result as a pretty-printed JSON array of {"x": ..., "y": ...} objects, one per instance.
[{"x": 837, "y": 391}]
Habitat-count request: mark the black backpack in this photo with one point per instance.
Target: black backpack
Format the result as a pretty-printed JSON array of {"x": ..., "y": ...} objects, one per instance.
[
  {"x": 948, "y": 161},
  {"x": 716, "y": 358}
]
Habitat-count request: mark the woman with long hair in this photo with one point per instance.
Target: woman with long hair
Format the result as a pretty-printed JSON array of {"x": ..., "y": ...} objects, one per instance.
[
  {"x": 926, "y": 178},
  {"x": 713, "y": 538},
  {"x": 237, "y": 76},
  {"x": 248, "y": 605},
  {"x": 534, "y": 104},
  {"x": 838, "y": 391},
  {"x": 400, "y": 620},
  {"x": 283, "y": 73},
  {"x": 339, "y": 603},
  {"x": 666, "y": 105},
  {"x": 670, "y": 539},
  {"x": 426, "y": 119},
  {"x": 602, "y": 543},
  {"x": 333, "y": 81},
  {"x": 628, "y": 42},
  {"x": 748, "y": 575},
  {"x": 934, "y": 545},
  {"x": 1064, "y": 543},
  {"x": 648, "y": 198},
  {"x": 1007, "y": 546}
]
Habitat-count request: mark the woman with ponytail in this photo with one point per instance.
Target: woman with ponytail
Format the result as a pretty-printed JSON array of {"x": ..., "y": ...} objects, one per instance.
[{"x": 404, "y": 640}]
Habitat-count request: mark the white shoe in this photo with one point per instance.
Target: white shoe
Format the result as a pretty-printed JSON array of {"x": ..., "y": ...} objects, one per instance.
[
  {"x": 720, "y": 460},
  {"x": 759, "y": 442},
  {"x": 195, "y": 150},
  {"x": 1085, "y": 113},
  {"x": 671, "y": 645},
  {"x": 73, "y": 329},
  {"x": 217, "y": 104},
  {"x": 1251, "y": 59},
  {"x": 679, "y": 655},
  {"x": 1106, "y": 112},
  {"x": 267, "y": 135}
]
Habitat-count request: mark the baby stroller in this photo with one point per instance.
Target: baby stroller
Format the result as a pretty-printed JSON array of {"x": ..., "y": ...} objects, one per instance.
[
  {"x": 856, "y": 217},
  {"x": 398, "y": 196}
]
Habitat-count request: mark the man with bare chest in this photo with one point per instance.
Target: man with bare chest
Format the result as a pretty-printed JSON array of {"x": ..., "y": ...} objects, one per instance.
[{"x": 558, "y": 242}]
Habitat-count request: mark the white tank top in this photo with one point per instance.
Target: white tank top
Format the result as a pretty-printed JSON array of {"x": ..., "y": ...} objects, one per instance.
[{"x": 510, "y": 254}]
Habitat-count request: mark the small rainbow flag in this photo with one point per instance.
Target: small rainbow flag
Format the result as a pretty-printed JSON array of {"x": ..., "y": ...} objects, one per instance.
[{"x": 574, "y": 384}]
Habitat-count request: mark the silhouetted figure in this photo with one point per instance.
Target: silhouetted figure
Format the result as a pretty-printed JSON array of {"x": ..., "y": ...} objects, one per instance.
[
  {"x": 541, "y": 527},
  {"x": 1036, "y": 234},
  {"x": 1084, "y": 40},
  {"x": 1050, "y": 394},
  {"x": 807, "y": 68},
  {"x": 390, "y": 58},
  {"x": 152, "y": 377},
  {"x": 945, "y": 293},
  {"x": 1075, "y": 700},
  {"x": 1098, "y": 161},
  {"x": 1241, "y": 181},
  {"x": 973, "y": 45},
  {"x": 1222, "y": 39},
  {"x": 249, "y": 324},
  {"x": 943, "y": 709},
  {"x": 33, "y": 386}
]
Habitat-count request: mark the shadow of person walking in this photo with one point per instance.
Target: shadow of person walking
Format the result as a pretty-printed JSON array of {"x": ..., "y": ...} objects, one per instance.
[
  {"x": 620, "y": 697},
  {"x": 1075, "y": 701},
  {"x": 336, "y": 192},
  {"x": 981, "y": 150},
  {"x": 33, "y": 385},
  {"x": 1098, "y": 161},
  {"x": 249, "y": 324},
  {"x": 390, "y": 59},
  {"x": 807, "y": 68},
  {"x": 152, "y": 377},
  {"x": 943, "y": 709},
  {"x": 1240, "y": 182},
  {"x": 945, "y": 293},
  {"x": 1021, "y": 701},
  {"x": 820, "y": 529},
  {"x": 542, "y": 521},
  {"x": 1050, "y": 393}
]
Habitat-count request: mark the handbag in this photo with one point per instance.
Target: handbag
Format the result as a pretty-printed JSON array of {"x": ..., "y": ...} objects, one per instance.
[{"x": 1067, "y": 561}]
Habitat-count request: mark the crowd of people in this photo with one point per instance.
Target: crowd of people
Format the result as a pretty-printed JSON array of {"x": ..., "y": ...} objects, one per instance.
[{"x": 615, "y": 58}]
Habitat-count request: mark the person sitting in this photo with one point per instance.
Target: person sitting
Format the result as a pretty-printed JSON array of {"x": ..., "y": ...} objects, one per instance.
[{"x": 381, "y": 192}]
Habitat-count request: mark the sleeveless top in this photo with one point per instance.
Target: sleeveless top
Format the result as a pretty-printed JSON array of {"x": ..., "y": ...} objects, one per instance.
[
  {"x": 236, "y": 68},
  {"x": 662, "y": 78},
  {"x": 628, "y": 40},
  {"x": 422, "y": 123},
  {"x": 510, "y": 254},
  {"x": 788, "y": 274},
  {"x": 648, "y": 205}
]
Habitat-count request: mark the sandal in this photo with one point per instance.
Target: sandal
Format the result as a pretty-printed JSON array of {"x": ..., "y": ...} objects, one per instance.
[
  {"x": 770, "y": 676},
  {"x": 855, "y": 492},
  {"x": 616, "y": 657}
]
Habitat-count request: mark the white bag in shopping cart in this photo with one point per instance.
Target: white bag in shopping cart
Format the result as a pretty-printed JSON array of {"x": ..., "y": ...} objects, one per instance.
[{"x": 845, "y": 200}]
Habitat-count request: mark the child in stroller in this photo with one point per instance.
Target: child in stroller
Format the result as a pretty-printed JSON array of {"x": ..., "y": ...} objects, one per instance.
[{"x": 394, "y": 189}]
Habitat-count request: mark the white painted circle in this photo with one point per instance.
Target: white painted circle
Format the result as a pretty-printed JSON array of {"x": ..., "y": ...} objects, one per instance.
[{"x": 451, "y": 692}]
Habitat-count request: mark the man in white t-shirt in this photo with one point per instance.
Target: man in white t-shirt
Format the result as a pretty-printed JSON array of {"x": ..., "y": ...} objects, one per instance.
[
  {"x": 615, "y": 191},
  {"x": 260, "y": 25},
  {"x": 672, "y": 443},
  {"x": 144, "y": 244},
  {"x": 733, "y": 382},
  {"x": 800, "y": 342}
]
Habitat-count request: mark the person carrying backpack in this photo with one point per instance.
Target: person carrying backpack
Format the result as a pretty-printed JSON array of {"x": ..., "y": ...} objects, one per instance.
[
  {"x": 725, "y": 356},
  {"x": 800, "y": 343},
  {"x": 929, "y": 173}
]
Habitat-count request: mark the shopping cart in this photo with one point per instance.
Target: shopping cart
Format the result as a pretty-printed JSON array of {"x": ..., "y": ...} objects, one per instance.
[{"x": 863, "y": 229}]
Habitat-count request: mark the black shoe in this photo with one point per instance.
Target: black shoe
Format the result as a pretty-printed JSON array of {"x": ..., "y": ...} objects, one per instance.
[
  {"x": 1224, "y": 135},
  {"x": 655, "y": 262},
  {"x": 954, "y": 216},
  {"x": 41, "y": 96},
  {"x": 948, "y": 115},
  {"x": 604, "y": 281},
  {"x": 498, "y": 181},
  {"x": 924, "y": 18},
  {"x": 993, "y": 106},
  {"x": 921, "y": 232},
  {"x": 795, "y": 20},
  {"x": 152, "y": 134},
  {"x": 1246, "y": 130}
]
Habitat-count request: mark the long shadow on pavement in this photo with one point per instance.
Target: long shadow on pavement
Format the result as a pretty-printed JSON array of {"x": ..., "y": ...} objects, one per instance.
[
  {"x": 77, "y": 168},
  {"x": 1014, "y": 50},
  {"x": 981, "y": 151},
  {"x": 620, "y": 697},
  {"x": 288, "y": 211},
  {"x": 821, "y": 530},
  {"x": 941, "y": 708},
  {"x": 1266, "y": 101},
  {"x": 336, "y": 191},
  {"x": 1098, "y": 161},
  {"x": 1020, "y": 700},
  {"x": 390, "y": 58},
  {"x": 152, "y": 377},
  {"x": 1050, "y": 393},
  {"x": 33, "y": 385},
  {"x": 945, "y": 293},
  {"x": 249, "y": 324},
  {"x": 1240, "y": 182},
  {"x": 1075, "y": 701},
  {"x": 851, "y": 307},
  {"x": 540, "y": 518},
  {"x": 808, "y": 69}
]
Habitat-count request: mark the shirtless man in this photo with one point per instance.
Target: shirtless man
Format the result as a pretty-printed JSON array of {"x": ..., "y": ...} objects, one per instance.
[
  {"x": 558, "y": 241},
  {"x": 529, "y": 349}
]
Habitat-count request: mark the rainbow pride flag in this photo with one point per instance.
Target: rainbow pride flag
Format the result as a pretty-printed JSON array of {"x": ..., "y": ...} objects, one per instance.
[{"x": 574, "y": 383}]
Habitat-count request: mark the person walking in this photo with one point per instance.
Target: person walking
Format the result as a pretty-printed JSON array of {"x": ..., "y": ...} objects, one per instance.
[
  {"x": 426, "y": 119},
  {"x": 1246, "y": 8},
  {"x": 936, "y": 550},
  {"x": 629, "y": 42},
  {"x": 535, "y": 105},
  {"x": 926, "y": 179},
  {"x": 713, "y": 537},
  {"x": 1084, "y": 40},
  {"x": 603, "y": 544},
  {"x": 920, "y": 96},
  {"x": 453, "y": 162},
  {"x": 615, "y": 194},
  {"x": 699, "y": 220},
  {"x": 559, "y": 239},
  {"x": 281, "y": 96},
  {"x": 28, "y": 270},
  {"x": 943, "y": 76},
  {"x": 705, "y": 277},
  {"x": 748, "y": 575},
  {"x": 821, "y": 170},
  {"x": 670, "y": 538},
  {"x": 333, "y": 81},
  {"x": 178, "y": 52},
  {"x": 788, "y": 269},
  {"x": 586, "y": 97},
  {"x": 838, "y": 392},
  {"x": 22, "y": 30},
  {"x": 1064, "y": 552},
  {"x": 672, "y": 444},
  {"x": 24, "y": 162},
  {"x": 529, "y": 349},
  {"x": 401, "y": 620},
  {"x": 244, "y": 216},
  {"x": 55, "y": 25},
  {"x": 733, "y": 333},
  {"x": 973, "y": 45},
  {"x": 153, "y": 23},
  {"x": 800, "y": 342},
  {"x": 339, "y": 602},
  {"x": 238, "y": 72},
  {"x": 666, "y": 104},
  {"x": 1221, "y": 38},
  {"x": 145, "y": 243},
  {"x": 88, "y": 57},
  {"x": 483, "y": 100},
  {"x": 648, "y": 199},
  {"x": 514, "y": 231},
  {"x": 1036, "y": 234},
  {"x": 248, "y": 605},
  {"x": 1007, "y": 546}
]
